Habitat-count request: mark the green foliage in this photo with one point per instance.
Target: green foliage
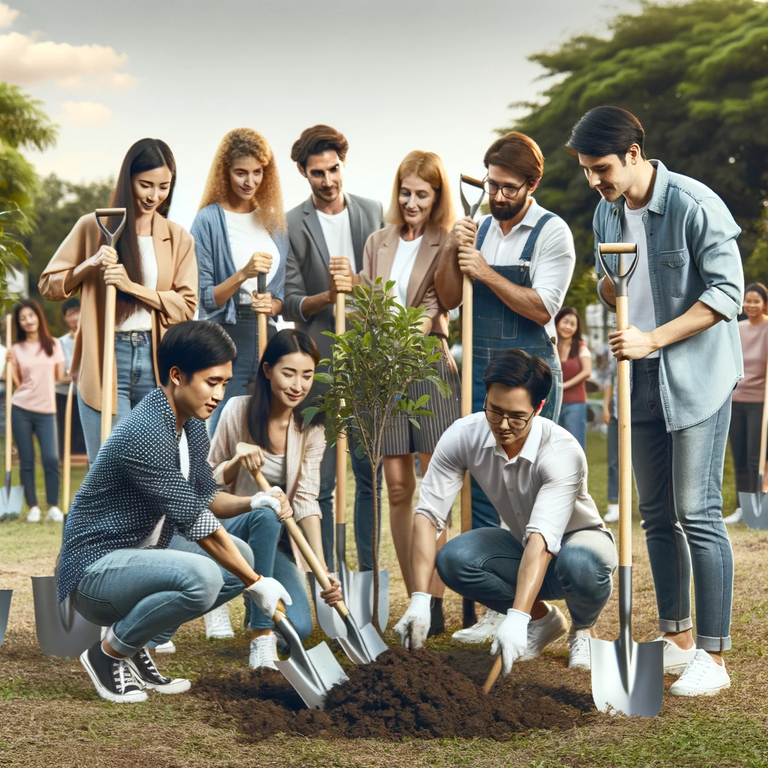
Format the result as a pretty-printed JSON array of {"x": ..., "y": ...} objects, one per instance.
[{"x": 696, "y": 75}]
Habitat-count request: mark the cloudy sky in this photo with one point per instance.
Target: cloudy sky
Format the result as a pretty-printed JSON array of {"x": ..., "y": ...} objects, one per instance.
[{"x": 393, "y": 76}]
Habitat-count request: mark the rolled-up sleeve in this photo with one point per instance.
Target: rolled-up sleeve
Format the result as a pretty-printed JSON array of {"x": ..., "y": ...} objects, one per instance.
[
  {"x": 553, "y": 266},
  {"x": 204, "y": 252}
]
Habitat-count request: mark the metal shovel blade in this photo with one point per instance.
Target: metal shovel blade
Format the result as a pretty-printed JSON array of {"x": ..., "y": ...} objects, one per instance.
[
  {"x": 11, "y": 499},
  {"x": 5, "y": 607},
  {"x": 754, "y": 510},
  {"x": 61, "y": 630}
]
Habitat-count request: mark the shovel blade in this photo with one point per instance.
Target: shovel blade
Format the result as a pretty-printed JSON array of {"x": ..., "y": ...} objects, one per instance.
[
  {"x": 328, "y": 618},
  {"x": 5, "y": 607},
  {"x": 10, "y": 501},
  {"x": 750, "y": 509},
  {"x": 627, "y": 677},
  {"x": 327, "y": 671},
  {"x": 358, "y": 595}
]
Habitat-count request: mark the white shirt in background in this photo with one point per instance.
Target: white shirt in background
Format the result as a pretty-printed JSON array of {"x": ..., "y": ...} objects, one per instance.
[
  {"x": 248, "y": 236},
  {"x": 641, "y": 312},
  {"x": 552, "y": 261},
  {"x": 141, "y": 320},
  {"x": 338, "y": 235},
  {"x": 402, "y": 267},
  {"x": 68, "y": 345}
]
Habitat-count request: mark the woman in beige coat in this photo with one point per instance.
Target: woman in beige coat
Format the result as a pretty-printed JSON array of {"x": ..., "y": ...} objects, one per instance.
[{"x": 154, "y": 270}]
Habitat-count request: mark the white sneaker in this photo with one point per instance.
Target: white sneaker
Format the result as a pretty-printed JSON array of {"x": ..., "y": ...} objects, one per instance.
[
  {"x": 263, "y": 652},
  {"x": 702, "y": 677},
  {"x": 217, "y": 624},
  {"x": 544, "y": 631},
  {"x": 55, "y": 515},
  {"x": 612, "y": 515},
  {"x": 734, "y": 518},
  {"x": 34, "y": 515},
  {"x": 675, "y": 658},
  {"x": 578, "y": 650},
  {"x": 168, "y": 647},
  {"x": 481, "y": 632}
]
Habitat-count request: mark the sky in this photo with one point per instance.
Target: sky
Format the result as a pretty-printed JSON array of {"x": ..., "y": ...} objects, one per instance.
[{"x": 396, "y": 76}]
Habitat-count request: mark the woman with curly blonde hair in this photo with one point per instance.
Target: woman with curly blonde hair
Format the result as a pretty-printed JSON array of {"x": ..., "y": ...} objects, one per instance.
[{"x": 240, "y": 233}]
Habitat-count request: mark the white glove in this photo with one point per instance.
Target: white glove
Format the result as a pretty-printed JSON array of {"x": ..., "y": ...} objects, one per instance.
[
  {"x": 267, "y": 499},
  {"x": 511, "y": 638},
  {"x": 266, "y": 592},
  {"x": 412, "y": 629}
]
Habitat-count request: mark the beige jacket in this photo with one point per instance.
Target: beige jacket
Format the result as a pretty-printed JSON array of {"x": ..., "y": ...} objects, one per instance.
[
  {"x": 176, "y": 292},
  {"x": 379, "y": 255},
  {"x": 303, "y": 454}
]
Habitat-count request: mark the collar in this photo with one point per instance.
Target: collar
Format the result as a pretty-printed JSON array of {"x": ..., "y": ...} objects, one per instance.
[
  {"x": 530, "y": 448},
  {"x": 658, "y": 201},
  {"x": 532, "y": 215}
]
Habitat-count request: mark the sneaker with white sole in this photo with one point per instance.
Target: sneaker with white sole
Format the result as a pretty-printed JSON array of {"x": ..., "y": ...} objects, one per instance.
[
  {"x": 263, "y": 652},
  {"x": 734, "y": 518},
  {"x": 34, "y": 514},
  {"x": 114, "y": 679},
  {"x": 217, "y": 624},
  {"x": 702, "y": 677},
  {"x": 578, "y": 649},
  {"x": 481, "y": 632},
  {"x": 55, "y": 515},
  {"x": 612, "y": 515},
  {"x": 145, "y": 670},
  {"x": 544, "y": 631},
  {"x": 168, "y": 647},
  {"x": 676, "y": 659}
]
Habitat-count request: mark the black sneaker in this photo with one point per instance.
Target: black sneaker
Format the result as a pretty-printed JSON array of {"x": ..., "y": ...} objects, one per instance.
[
  {"x": 145, "y": 670},
  {"x": 113, "y": 678},
  {"x": 437, "y": 617}
]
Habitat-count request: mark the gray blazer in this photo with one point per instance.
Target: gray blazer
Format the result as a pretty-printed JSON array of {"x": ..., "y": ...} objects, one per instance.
[{"x": 307, "y": 268}]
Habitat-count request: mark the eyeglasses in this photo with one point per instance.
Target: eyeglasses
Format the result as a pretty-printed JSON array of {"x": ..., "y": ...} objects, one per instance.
[
  {"x": 492, "y": 188},
  {"x": 517, "y": 424}
]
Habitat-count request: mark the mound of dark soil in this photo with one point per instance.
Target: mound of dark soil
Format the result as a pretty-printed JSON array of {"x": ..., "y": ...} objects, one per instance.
[{"x": 403, "y": 694}]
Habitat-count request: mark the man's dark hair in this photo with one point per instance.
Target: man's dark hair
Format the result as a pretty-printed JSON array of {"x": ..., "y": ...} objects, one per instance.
[
  {"x": 315, "y": 141},
  {"x": 73, "y": 303},
  {"x": 606, "y": 131},
  {"x": 193, "y": 346},
  {"x": 515, "y": 368}
]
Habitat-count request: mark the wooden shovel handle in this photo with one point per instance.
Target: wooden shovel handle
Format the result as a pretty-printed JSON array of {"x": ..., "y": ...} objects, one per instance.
[
  {"x": 8, "y": 393},
  {"x": 341, "y": 442},
  {"x": 466, "y": 389},
  {"x": 66, "y": 467},
  {"x": 625, "y": 444},
  {"x": 493, "y": 675},
  {"x": 108, "y": 369},
  {"x": 262, "y": 325}
]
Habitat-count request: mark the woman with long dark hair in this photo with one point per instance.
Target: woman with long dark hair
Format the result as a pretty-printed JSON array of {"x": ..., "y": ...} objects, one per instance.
[
  {"x": 288, "y": 453},
  {"x": 240, "y": 233},
  {"x": 154, "y": 269},
  {"x": 38, "y": 363},
  {"x": 576, "y": 362}
]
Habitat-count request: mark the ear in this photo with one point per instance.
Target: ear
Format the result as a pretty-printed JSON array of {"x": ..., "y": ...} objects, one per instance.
[
  {"x": 175, "y": 376},
  {"x": 532, "y": 184},
  {"x": 267, "y": 368},
  {"x": 634, "y": 154}
]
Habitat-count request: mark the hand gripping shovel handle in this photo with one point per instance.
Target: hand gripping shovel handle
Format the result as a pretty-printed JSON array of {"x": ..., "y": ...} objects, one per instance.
[{"x": 261, "y": 287}]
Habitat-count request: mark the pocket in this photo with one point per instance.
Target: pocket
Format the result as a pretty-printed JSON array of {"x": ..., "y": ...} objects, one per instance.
[
  {"x": 672, "y": 272},
  {"x": 96, "y": 610}
]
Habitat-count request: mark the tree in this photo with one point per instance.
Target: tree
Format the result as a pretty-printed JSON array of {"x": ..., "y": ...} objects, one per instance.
[
  {"x": 696, "y": 75},
  {"x": 374, "y": 364}
]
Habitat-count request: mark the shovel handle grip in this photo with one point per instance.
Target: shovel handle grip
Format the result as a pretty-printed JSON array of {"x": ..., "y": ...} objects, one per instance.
[
  {"x": 620, "y": 282},
  {"x": 102, "y": 213},
  {"x": 493, "y": 675}
]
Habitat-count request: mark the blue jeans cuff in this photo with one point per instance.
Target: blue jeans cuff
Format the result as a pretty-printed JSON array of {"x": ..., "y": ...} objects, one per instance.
[
  {"x": 667, "y": 625},
  {"x": 713, "y": 644}
]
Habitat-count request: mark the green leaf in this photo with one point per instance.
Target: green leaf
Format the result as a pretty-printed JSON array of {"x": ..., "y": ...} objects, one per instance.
[{"x": 324, "y": 378}]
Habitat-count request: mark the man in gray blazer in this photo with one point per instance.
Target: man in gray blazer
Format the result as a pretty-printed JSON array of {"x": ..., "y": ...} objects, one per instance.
[{"x": 328, "y": 226}]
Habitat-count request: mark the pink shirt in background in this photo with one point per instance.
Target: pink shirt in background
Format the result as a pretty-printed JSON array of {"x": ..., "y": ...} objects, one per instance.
[
  {"x": 754, "y": 348},
  {"x": 37, "y": 371}
]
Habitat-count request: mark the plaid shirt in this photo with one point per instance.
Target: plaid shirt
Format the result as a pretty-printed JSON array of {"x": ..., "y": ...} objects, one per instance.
[{"x": 135, "y": 480}]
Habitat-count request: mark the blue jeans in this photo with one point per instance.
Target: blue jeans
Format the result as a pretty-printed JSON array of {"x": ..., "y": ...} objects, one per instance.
[
  {"x": 25, "y": 425},
  {"x": 135, "y": 379},
  {"x": 679, "y": 479},
  {"x": 573, "y": 417},
  {"x": 482, "y": 565},
  {"x": 613, "y": 461},
  {"x": 142, "y": 594}
]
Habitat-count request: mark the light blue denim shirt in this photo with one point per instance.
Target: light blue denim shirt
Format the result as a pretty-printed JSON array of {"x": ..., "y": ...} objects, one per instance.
[{"x": 692, "y": 256}]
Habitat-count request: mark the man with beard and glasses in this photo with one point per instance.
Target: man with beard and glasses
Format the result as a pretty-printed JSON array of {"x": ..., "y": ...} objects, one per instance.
[{"x": 521, "y": 260}]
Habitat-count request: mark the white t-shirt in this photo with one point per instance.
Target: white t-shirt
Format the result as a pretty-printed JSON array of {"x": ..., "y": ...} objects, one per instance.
[
  {"x": 338, "y": 235},
  {"x": 273, "y": 469},
  {"x": 248, "y": 236},
  {"x": 402, "y": 267},
  {"x": 141, "y": 320},
  {"x": 641, "y": 311},
  {"x": 68, "y": 345},
  {"x": 552, "y": 260}
]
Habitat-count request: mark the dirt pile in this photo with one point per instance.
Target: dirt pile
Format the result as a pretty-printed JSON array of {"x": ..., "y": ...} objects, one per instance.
[{"x": 403, "y": 695}]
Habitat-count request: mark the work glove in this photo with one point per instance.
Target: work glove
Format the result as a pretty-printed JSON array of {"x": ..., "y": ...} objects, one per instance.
[
  {"x": 266, "y": 593},
  {"x": 511, "y": 639},
  {"x": 412, "y": 629},
  {"x": 267, "y": 499}
]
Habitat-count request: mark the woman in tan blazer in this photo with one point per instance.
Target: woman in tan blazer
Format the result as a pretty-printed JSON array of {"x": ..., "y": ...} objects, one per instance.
[
  {"x": 407, "y": 251},
  {"x": 154, "y": 270}
]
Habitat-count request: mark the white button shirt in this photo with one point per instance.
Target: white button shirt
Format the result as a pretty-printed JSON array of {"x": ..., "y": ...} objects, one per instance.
[
  {"x": 552, "y": 260},
  {"x": 541, "y": 490}
]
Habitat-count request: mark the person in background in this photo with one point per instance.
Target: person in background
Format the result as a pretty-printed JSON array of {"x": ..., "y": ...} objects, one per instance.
[
  {"x": 70, "y": 309},
  {"x": 38, "y": 363},
  {"x": 576, "y": 362},
  {"x": 154, "y": 270},
  {"x": 749, "y": 395},
  {"x": 407, "y": 251},
  {"x": 240, "y": 233}
]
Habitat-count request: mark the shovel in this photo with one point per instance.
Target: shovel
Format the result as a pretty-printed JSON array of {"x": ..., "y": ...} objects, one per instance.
[
  {"x": 262, "y": 319},
  {"x": 754, "y": 506},
  {"x": 362, "y": 644},
  {"x": 469, "y": 617},
  {"x": 66, "y": 463},
  {"x": 627, "y": 677},
  {"x": 10, "y": 497},
  {"x": 5, "y": 607},
  {"x": 110, "y": 305}
]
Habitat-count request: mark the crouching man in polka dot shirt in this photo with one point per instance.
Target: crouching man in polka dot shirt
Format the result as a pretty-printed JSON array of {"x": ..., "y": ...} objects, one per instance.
[{"x": 151, "y": 479}]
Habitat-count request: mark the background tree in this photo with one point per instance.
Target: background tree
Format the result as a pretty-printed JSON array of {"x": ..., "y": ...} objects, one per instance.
[{"x": 696, "y": 75}]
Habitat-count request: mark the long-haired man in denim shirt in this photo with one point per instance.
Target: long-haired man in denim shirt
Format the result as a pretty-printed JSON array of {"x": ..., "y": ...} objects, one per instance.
[{"x": 684, "y": 346}]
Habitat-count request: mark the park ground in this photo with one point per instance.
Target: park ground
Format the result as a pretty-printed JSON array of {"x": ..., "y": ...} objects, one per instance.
[{"x": 50, "y": 716}]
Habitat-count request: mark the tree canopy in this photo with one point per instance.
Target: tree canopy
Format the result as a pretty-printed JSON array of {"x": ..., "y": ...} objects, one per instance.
[{"x": 696, "y": 75}]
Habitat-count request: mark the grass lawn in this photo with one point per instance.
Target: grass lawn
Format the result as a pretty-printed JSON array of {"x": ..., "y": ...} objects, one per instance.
[{"x": 50, "y": 716}]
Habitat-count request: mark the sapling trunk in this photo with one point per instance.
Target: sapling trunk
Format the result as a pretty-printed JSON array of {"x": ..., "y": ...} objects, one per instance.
[{"x": 375, "y": 542}]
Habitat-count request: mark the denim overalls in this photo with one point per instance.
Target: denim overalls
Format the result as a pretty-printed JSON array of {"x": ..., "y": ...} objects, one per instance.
[{"x": 495, "y": 327}]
